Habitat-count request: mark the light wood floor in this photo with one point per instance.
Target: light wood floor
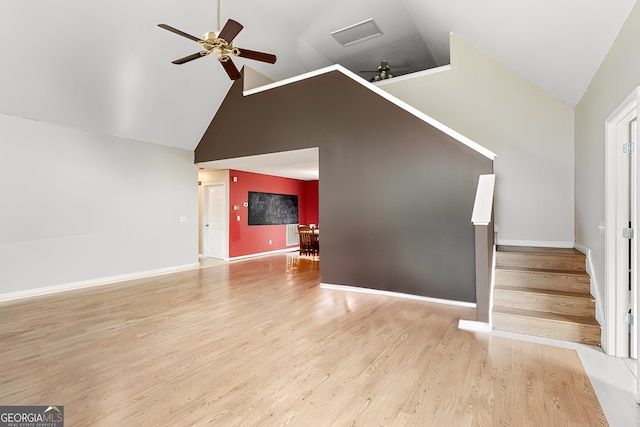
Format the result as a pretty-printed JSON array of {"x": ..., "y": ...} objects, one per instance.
[{"x": 258, "y": 342}]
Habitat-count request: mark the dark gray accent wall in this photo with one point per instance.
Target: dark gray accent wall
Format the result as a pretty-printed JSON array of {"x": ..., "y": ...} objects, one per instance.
[{"x": 396, "y": 194}]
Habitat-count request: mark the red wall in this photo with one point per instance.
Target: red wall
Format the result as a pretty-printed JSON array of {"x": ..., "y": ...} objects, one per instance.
[
  {"x": 311, "y": 188},
  {"x": 248, "y": 240}
]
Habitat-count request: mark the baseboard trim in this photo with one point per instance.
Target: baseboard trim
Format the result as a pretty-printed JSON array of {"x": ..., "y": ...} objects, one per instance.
[
  {"x": 279, "y": 251},
  {"x": 593, "y": 286},
  {"x": 580, "y": 248},
  {"x": 594, "y": 291},
  {"x": 396, "y": 295},
  {"x": 29, "y": 293},
  {"x": 536, "y": 243},
  {"x": 475, "y": 326}
]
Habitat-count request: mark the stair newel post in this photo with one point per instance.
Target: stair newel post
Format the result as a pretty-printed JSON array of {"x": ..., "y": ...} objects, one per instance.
[
  {"x": 484, "y": 263},
  {"x": 482, "y": 219}
]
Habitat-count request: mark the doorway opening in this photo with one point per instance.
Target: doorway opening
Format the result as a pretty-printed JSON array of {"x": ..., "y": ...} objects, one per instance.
[{"x": 301, "y": 165}]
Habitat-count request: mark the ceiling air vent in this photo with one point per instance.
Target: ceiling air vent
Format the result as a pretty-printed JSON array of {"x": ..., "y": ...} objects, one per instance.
[{"x": 357, "y": 33}]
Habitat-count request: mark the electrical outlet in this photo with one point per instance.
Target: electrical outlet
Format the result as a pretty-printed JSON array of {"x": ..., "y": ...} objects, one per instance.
[{"x": 270, "y": 242}]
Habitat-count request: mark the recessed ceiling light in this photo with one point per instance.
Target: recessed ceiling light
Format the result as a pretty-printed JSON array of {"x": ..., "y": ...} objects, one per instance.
[{"x": 357, "y": 33}]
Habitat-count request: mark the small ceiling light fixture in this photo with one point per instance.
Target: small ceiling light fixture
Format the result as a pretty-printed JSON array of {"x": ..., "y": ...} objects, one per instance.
[{"x": 357, "y": 33}]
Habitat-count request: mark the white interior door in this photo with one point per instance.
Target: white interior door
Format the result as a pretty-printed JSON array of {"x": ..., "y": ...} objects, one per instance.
[
  {"x": 633, "y": 246},
  {"x": 622, "y": 298},
  {"x": 214, "y": 221},
  {"x": 635, "y": 295},
  {"x": 626, "y": 242},
  {"x": 620, "y": 332}
]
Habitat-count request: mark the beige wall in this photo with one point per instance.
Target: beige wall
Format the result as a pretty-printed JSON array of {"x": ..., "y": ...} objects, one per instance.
[
  {"x": 529, "y": 130},
  {"x": 616, "y": 78},
  {"x": 80, "y": 208},
  {"x": 253, "y": 79}
]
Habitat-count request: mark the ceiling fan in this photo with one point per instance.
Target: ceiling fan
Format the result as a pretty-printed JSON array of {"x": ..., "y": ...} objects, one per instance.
[
  {"x": 220, "y": 43},
  {"x": 382, "y": 73}
]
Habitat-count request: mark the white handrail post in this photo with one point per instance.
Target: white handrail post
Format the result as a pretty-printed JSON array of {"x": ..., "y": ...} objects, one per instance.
[{"x": 482, "y": 219}]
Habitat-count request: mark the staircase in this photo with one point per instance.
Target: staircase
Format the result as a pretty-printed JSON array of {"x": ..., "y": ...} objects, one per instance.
[{"x": 544, "y": 292}]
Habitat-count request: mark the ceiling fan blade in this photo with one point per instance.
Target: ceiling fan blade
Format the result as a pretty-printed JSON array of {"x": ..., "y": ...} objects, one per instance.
[
  {"x": 180, "y": 33},
  {"x": 231, "y": 69},
  {"x": 189, "y": 58},
  {"x": 258, "y": 56},
  {"x": 230, "y": 30}
]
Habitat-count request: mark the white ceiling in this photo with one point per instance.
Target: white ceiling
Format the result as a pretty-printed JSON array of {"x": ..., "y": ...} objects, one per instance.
[
  {"x": 297, "y": 164},
  {"x": 105, "y": 66}
]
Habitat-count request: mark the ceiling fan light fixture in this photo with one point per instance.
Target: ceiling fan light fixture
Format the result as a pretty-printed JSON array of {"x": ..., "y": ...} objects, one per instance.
[
  {"x": 357, "y": 33},
  {"x": 220, "y": 43}
]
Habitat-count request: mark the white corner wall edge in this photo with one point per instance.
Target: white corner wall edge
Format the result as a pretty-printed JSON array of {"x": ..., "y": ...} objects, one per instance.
[
  {"x": 94, "y": 282},
  {"x": 346, "y": 288},
  {"x": 374, "y": 88}
]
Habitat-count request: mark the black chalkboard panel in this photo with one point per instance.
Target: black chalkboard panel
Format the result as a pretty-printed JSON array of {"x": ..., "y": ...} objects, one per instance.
[{"x": 272, "y": 209}]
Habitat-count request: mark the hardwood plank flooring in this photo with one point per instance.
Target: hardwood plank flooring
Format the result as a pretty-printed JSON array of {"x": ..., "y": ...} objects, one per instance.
[{"x": 259, "y": 343}]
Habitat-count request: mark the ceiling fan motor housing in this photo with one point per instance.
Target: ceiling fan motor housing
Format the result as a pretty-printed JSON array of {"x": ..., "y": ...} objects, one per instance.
[{"x": 219, "y": 46}]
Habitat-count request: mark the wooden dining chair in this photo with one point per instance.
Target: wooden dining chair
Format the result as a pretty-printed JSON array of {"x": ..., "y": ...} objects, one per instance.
[
  {"x": 305, "y": 234},
  {"x": 315, "y": 241}
]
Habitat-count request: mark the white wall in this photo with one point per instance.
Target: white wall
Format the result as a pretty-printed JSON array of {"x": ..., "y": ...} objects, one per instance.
[
  {"x": 530, "y": 131},
  {"x": 79, "y": 207},
  {"x": 616, "y": 78}
]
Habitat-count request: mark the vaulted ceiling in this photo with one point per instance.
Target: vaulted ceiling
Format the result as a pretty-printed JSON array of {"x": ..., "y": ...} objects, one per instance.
[{"x": 105, "y": 66}]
